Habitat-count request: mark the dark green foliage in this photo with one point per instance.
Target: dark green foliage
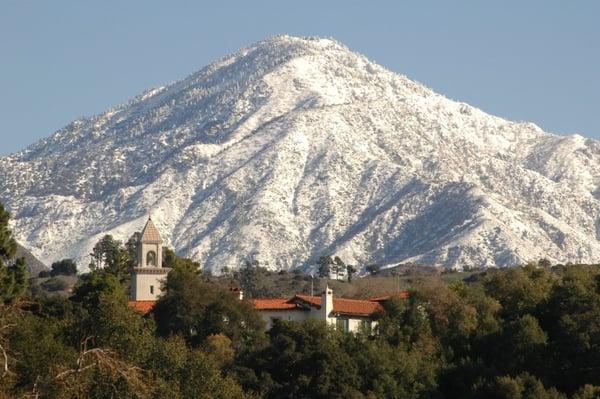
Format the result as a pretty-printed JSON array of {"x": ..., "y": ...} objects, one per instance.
[
  {"x": 310, "y": 353},
  {"x": 524, "y": 386},
  {"x": 170, "y": 259},
  {"x": 131, "y": 247},
  {"x": 373, "y": 269},
  {"x": 587, "y": 392},
  {"x": 111, "y": 256},
  {"x": 350, "y": 270},
  {"x": 40, "y": 347},
  {"x": 338, "y": 267},
  {"x": 8, "y": 245},
  {"x": 255, "y": 282},
  {"x": 13, "y": 278},
  {"x": 520, "y": 290},
  {"x": 65, "y": 267},
  {"x": 195, "y": 310},
  {"x": 44, "y": 274},
  {"x": 325, "y": 264},
  {"x": 55, "y": 284},
  {"x": 96, "y": 285},
  {"x": 522, "y": 333},
  {"x": 572, "y": 319},
  {"x": 13, "y": 281}
]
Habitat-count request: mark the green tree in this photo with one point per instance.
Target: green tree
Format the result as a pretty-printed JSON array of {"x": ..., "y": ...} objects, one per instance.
[
  {"x": 256, "y": 282},
  {"x": 520, "y": 290},
  {"x": 8, "y": 245},
  {"x": 65, "y": 267},
  {"x": 325, "y": 265},
  {"x": 110, "y": 255},
  {"x": 13, "y": 281},
  {"x": 523, "y": 386},
  {"x": 185, "y": 373},
  {"x": 313, "y": 355},
  {"x": 350, "y": 270},
  {"x": 13, "y": 278},
  {"x": 338, "y": 266},
  {"x": 98, "y": 284},
  {"x": 132, "y": 245},
  {"x": 40, "y": 349},
  {"x": 587, "y": 392},
  {"x": 572, "y": 319},
  {"x": 172, "y": 260},
  {"x": 196, "y": 310},
  {"x": 544, "y": 263},
  {"x": 373, "y": 269}
]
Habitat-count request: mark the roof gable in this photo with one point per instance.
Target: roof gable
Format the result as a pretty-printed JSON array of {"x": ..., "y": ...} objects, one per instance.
[
  {"x": 356, "y": 307},
  {"x": 275, "y": 304}
]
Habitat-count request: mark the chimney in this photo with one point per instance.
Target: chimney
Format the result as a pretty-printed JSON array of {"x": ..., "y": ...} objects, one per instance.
[{"x": 327, "y": 305}]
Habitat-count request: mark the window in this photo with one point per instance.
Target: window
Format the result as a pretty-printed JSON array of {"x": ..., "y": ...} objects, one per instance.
[
  {"x": 151, "y": 258},
  {"x": 342, "y": 324},
  {"x": 152, "y": 289}
]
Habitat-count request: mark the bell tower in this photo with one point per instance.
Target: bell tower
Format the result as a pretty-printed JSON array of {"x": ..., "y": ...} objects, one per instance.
[{"x": 148, "y": 276}]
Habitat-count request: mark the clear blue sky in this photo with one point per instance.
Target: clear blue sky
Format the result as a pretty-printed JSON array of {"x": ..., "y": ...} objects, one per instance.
[{"x": 525, "y": 60}]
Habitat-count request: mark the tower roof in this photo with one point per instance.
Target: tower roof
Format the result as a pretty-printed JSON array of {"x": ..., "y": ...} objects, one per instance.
[{"x": 150, "y": 233}]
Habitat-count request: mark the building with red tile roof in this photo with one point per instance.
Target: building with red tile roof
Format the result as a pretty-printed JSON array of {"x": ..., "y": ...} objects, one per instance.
[{"x": 346, "y": 314}]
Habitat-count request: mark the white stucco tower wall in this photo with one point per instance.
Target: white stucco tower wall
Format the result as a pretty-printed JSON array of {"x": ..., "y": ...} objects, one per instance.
[{"x": 148, "y": 276}]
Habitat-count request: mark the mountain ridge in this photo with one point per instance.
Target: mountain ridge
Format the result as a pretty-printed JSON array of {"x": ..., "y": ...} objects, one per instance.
[{"x": 294, "y": 148}]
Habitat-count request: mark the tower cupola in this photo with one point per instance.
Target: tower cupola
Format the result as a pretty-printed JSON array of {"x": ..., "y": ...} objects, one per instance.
[
  {"x": 148, "y": 276},
  {"x": 150, "y": 246}
]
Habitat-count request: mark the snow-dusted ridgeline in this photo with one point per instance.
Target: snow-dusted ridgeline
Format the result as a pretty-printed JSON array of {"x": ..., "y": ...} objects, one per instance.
[{"x": 294, "y": 148}]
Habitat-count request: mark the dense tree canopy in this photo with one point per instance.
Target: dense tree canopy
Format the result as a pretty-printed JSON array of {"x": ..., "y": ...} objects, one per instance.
[
  {"x": 65, "y": 267},
  {"x": 196, "y": 310},
  {"x": 13, "y": 277},
  {"x": 518, "y": 333},
  {"x": 113, "y": 257}
]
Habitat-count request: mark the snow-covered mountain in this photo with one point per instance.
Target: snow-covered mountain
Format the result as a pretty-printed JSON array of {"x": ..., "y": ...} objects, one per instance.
[{"x": 295, "y": 148}]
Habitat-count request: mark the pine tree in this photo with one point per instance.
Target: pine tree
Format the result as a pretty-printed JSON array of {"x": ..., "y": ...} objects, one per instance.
[
  {"x": 325, "y": 264},
  {"x": 13, "y": 278},
  {"x": 8, "y": 245},
  {"x": 65, "y": 267},
  {"x": 351, "y": 270},
  {"x": 110, "y": 255}
]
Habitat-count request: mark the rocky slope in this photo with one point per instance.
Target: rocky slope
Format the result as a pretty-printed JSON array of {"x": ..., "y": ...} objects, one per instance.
[
  {"x": 297, "y": 147},
  {"x": 33, "y": 264}
]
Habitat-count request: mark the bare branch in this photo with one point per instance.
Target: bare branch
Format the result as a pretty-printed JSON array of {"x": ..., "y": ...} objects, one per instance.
[{"x": 107, "y": 361}]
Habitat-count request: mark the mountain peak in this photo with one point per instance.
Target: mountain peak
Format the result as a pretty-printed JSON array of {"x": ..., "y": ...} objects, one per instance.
[{"x": 293, "y": 148}]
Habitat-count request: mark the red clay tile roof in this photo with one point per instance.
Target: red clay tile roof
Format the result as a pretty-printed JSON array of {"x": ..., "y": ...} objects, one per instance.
[
  {"x": 401, "y": 295},
  {"x": 275, "y": 304},
  {"x": 345, "y": 306},
  {"x": 142, "y": 306}
]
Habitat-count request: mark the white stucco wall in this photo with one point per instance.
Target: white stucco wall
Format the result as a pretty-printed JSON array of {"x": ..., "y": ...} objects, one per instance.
[
  {"x": 140, "y": 286},
  {"x": 354, "y": 324},
  {"x": 288, "y": 315}
]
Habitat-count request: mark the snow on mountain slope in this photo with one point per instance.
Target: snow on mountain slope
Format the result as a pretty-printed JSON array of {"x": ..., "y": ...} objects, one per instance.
[{"x": 297, "y": 147}]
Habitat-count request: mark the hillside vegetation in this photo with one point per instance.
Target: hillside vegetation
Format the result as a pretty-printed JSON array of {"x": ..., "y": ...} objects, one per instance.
[{"x": 526, "y": 332}]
